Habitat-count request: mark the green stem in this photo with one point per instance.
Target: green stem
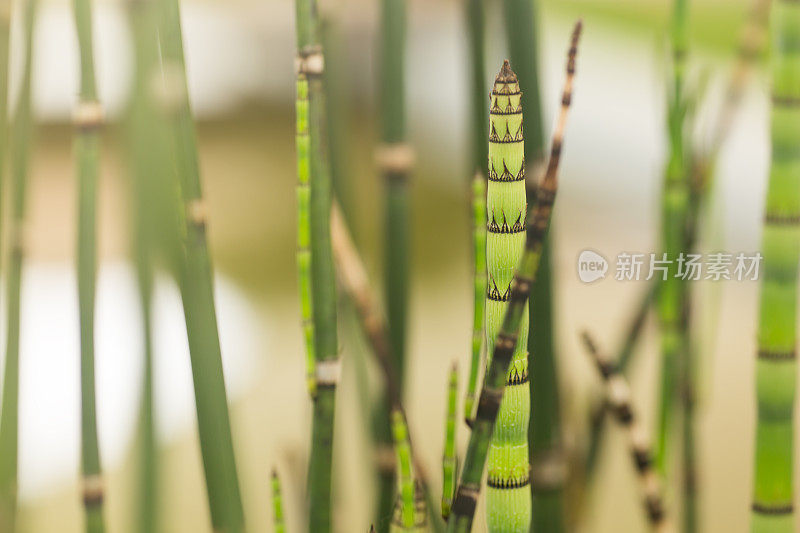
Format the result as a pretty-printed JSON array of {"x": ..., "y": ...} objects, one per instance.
[
  {"x": 449, "y": 460},
  {"x": 504, "y": 347},
  {"x": 776, "y": 367},
  {"x": 197, "y": 292},
  {"x": 88, "y": 120},
  {"x": 674, "y": 218},
  {"x": 479, "y": 253},
  {"x": 323, "y": 283},
  {"x": 277, "y": 504},
  {"x": 20, "y": 158}
]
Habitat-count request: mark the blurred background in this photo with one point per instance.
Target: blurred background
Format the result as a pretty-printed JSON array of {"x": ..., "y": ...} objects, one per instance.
[{"x": 241, "y": 75}]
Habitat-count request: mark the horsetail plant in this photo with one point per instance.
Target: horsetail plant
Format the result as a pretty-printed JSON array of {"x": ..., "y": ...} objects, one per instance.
[
  {"x": 548, "y": 469},
  {"x": 479, "y": 253},
  {"x": 672, "y": 294},
  {"x": 618, "y": 397},
  {"x": 22, "y": 129},
  {"x": 310, "y": 63},
  {"x": 395, "y": 159},
  {"x": 277, "y": 504},
  {"x": 409, "y": 515},
  {"x": 303, "y": 144},
  {"x": 776, "y": 367},
  {"x": 88, "y": 120},
  {"x": 195, "y": 277},
  {"x": 449, "y": 460},
  {"x": 504, "y": 346},
  {"x": 478, "y": 153},
  {"x": 508, "y": 502},
  {"x": 155, "y": 232}
]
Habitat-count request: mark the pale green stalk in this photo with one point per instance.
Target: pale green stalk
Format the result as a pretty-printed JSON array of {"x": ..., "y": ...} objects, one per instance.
[
  {"x": 88, "y": 120},
  {"x": 277, "y": 504},
  {"x": 776, "y": 366},
  {"x": 195, "y": 275},
  {"x": 505, "y": 346},
  {"x": 22, "y": 133},
  {"x": 479, "y": 253},
  {"x": 449, "y": 461},
  {"x": 303, "y": 144}
]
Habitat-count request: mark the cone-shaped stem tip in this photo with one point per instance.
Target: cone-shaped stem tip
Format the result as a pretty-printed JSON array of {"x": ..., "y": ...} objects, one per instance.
[{"x": 506, "y": 75}]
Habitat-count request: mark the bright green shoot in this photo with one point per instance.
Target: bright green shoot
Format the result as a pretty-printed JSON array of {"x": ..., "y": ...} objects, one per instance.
[
  {"x": 508, "y": 502},
  {"x": 776, "y": 367},
  {"x": 277, "y": 504},
  {"x": 479, "y": 243},
  {"x": 449, "y": 461},
  {"x": 409, "y": 514}
]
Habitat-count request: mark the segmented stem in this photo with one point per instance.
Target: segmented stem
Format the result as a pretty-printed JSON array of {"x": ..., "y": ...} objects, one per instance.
[
  {"x": 672, "y": 296},
  {"x": 508, "y": 502},
  {"x": 776, "y": 366},
  {"x": 277, "y": 504},
  {"x": 449, "y": 461},
  {"x": 195, "y": 275},
  {"x": 88, "y": 120},
  {"x": 618, "y": 398},
  {"x": 405, "y": 518},
  {"x": 304, "y": 229},
  {"x": 504, "y": 347},
  {"x": 22, "y": 129},
  {"x": 479, "y": 251}
]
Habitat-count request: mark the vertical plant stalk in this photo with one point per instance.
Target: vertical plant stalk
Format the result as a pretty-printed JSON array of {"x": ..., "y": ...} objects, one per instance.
[
  {"x": 395, "y": 160},
  {"x": 277, "y": 504},
  {"x": 22, "y": 129},
  {"x": 303, "y": 144},
  {"x": 548, "y": 468},
  {"x": 508, "y": 503},
  {"x": 406, "y": 518},
  {"x": 355, "y": 284},
  {"x": 479, "y": 254},
  {"x": 497, "y": 373},
  {"x": 449, "y": 460},
  {"x": 88, "y": 121},
  {"x": 478, "y": 153},
  {"x": 776, "y": 366},
  {"x": 618, "y": 398},
  {"x": 195, "y": 276},
  {"x": 674, "y": 215},
  {"x": 310, "y": 63}
]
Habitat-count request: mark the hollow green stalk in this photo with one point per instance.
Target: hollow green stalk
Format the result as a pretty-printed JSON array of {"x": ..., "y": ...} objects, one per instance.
[
  {"x": 395, "y": 159},
  {"x": 195, "y": 277},
  {"x": 88, "y": 120},
  {"x": 310, "y": 62},
  {"x": 303, "y": 144},
  {"x": 404, "y": 519},
  {"x": 505, "y": 345},
  {"x": 618, "y": 401},
  {"x": 548, "y": 469},
  {"x": 672, "y": 294},
  {"x": 508, "y": 503},
  {"x": 22, "y": 129},
  {"x": 449, "y": 461},
  {"x": 479, "y": 253},
  {"x": 776, "y": 367},
  {"x": 277, "y": 504}
]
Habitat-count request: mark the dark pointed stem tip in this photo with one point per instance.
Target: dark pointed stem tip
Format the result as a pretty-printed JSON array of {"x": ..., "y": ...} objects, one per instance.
[{"x": 506, "y": 75}]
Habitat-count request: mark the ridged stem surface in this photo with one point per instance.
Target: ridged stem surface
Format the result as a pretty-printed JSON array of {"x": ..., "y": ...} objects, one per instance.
[
  {"x": 449, "y": 460},
  {"x": 776, "y": 367}
]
